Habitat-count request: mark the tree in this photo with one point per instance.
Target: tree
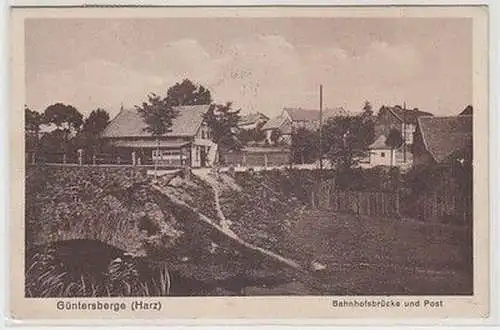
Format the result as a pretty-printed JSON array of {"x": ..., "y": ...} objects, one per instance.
[
  {"x": 346, "y": 139},
  {"x": 275, "y": 136},
  {"x": 367, "y": 110},
  {"x": 32, "y": 122},
  {"x": 94, "y": 124},
  {"x": 65, "y": 117},
  {"x": 305, "y": 145},
  {"x": 223, "y": 121},
  {"x": 188, "y": 93},
  {"x": 248, "y": 135},
  {"x": 68, "y": 120},
  {"x": 158, "y": 115},
  {"x": 394, "y": 140}
]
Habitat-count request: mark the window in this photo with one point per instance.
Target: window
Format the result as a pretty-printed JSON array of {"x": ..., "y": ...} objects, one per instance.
[{"x": 382, "y": 154}]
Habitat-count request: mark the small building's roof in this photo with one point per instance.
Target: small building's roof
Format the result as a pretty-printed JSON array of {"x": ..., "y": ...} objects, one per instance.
[
  {"x": 379, "y": 143},
  {"x": 443, "y": 136},
  {"x": 407, "y": 115},
  {"x": 274, "y": 123},
  {"x": 252, "y": 119},
  {"x": 129, "y": 123}
]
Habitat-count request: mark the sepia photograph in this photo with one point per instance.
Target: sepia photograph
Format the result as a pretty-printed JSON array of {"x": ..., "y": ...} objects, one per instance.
[{"x": 249, "y": 156}]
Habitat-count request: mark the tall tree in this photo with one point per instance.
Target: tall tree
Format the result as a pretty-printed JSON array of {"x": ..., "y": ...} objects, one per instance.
[
  {"x": 64, "y": 116},
  {"x": 367, "y": 110},
  {"x": 223, "y": 121},
  {"x": 347, "y": 139},
  {"x": 394, "y": 140},
  {"x": 68, "y": 120},
  {"x": 305, "y": 144},
  {"x": 158, "y": 115},
  {"x": 188, "y": 93},
  {"x": 94, "y": 124},
  {"x": 32, "y": 122}
]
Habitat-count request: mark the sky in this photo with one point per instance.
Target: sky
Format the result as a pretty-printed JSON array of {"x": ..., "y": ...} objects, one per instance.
[{"x": 259, "y": 64}]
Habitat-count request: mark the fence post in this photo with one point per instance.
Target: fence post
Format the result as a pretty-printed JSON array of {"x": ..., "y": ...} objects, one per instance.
[
  {"x": 94, "y": 159},
  {"x": 64, "y": 159},
  {"x": 33, "y": 158},
  {"x": 80, "y": 156},
  {"x": 134, "y": 161}
]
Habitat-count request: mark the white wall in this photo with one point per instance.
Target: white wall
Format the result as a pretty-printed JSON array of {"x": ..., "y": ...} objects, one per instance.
[{"x": 382, "y": 157}]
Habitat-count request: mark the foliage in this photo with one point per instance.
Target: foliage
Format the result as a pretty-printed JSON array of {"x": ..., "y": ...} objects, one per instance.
[
  {"x": 378, "y": 178},
  {"x": 158, "y": 115},
  {"x": 394, "y": 139},
  {"x": 346, "y": 138},
  {"x": 63, "y": 116},
  {"x": 72, "y": 269},
  {"x": 96, "y": 122},
  {"x": 275, "y": 136},
  {"x": 188, "y": 93},
  {"x": 249, "y": 135},
  {"x": 223, "y": 121},
  {"x": 367, "y": 110},
  {"x": 32, "y": 120},
  {"x": 305, "y": 146},
  {"x": 89, "y": 137}
]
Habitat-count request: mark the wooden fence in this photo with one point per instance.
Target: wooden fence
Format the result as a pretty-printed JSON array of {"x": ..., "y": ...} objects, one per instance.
[{"x": 376, "y": 203}]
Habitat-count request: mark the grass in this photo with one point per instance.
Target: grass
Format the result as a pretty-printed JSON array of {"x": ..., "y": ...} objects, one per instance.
[{"x": 47, "y": 275}]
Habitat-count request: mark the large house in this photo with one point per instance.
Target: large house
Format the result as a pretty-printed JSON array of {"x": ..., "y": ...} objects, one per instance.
[
  {"x": 188, "y": 142},
  {"x": 440, "y": 140},
  {"x": 404, "y": 120},
  {"x": 293, "y": 118}
]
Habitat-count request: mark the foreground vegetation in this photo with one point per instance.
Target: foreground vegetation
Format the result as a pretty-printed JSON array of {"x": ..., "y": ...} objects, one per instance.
[{"x": 94, "y": 231}]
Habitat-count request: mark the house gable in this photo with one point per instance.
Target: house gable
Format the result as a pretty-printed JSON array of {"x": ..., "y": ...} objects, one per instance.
[{"x": 130, "y": 124}]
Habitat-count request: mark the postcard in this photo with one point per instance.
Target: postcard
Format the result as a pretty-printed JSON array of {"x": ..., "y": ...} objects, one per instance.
[{"x": 249, "y": 163}]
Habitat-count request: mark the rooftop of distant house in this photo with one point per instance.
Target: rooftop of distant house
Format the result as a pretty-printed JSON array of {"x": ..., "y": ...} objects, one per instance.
[
  {"x": 129, "y": 123},
  {"x": 407, "y": 115},
  {"x": 443, "y": 136},
  {"x": 252, "y": 118},
  {"x": 300, "y": 114}
]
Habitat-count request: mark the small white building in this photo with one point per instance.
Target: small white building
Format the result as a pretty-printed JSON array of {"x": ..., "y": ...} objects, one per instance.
[{"x": 381, "y": 154}]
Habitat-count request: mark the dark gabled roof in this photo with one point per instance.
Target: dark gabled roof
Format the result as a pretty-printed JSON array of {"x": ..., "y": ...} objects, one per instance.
[
  {"x": 443, "y": 136},
  {"x": 299, "y": 114},
  {"x": 129, "y": 123},
  {"x": 408, "y": 116}
]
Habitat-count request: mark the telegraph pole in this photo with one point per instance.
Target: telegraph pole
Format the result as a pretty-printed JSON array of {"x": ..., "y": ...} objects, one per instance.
[{"x": 321, "y": 127}]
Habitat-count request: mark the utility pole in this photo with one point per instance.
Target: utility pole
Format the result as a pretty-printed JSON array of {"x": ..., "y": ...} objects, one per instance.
[{"x": 321, "y": 127}]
